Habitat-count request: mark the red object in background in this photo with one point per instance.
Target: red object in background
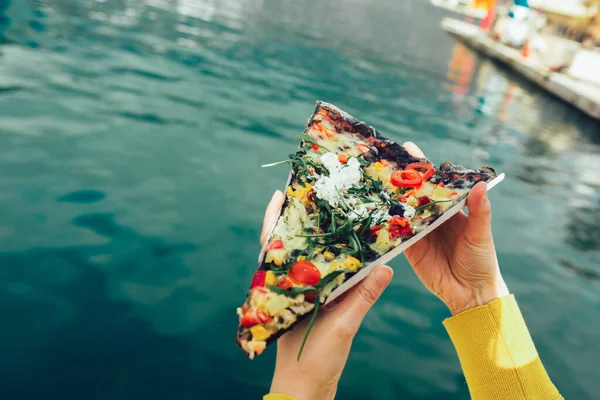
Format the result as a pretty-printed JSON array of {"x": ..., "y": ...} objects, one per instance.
[
  {"x": 488, "y": 21},
  {"x": 526, "y": 50}
]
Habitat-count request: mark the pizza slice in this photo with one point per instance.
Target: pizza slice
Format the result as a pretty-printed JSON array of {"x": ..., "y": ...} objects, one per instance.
[{"x": 354, "y": 198}]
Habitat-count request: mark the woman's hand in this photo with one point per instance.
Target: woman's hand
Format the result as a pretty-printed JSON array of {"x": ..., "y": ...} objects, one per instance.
[
  {"x": 457, "y": 261},
  {"x": 316, "y": 374}
]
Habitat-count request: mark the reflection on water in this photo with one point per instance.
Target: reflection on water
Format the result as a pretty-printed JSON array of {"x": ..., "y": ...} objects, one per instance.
[{"x": 130, "y": 138}]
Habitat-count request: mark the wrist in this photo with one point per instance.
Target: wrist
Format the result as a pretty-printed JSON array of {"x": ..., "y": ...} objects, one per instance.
[
  {"x": 302, "y": 390},
  {"x": 479, "y": 296}
]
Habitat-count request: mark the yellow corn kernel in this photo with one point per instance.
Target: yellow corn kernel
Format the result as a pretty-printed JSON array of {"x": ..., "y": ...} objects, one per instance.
[
  {"x": 259, "y": 332},
  {"x": 289, "y": 191},
  {"x": 301, "y": 258},
  {"x": 378, "y": 166},
  {"x": 270, "y": 278},
  {"x": 277, "y": 261},
  {"x": 329, "y": 255},
  {"x": 351, "y": 263},
  {"x": 319, "y": 249},
  {"x": 334, "y": 266}
]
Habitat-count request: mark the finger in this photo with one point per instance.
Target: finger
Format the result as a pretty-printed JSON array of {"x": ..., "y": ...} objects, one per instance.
[
  {"x": 413, "y": 149},
  {"x": 271, "y": 214},
  {"x": 361, "y": 298},
  {"x": 479, "y": 222}
]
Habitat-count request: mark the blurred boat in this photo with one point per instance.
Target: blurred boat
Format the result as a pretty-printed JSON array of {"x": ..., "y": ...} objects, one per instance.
[{"x": 464, "y": 7}]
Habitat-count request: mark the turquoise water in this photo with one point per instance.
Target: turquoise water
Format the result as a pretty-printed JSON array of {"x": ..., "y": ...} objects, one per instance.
[{"x": 131, "y": 198}]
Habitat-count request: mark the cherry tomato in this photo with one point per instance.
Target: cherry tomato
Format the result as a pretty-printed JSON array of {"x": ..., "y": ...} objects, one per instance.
[
  {"x": 396, "y": 231},
  {"x": 285, "y": 284},
  {"x": 400, "y": 221},
  {"x": 305, "y": 273},
  {"x": 423, "y": 201},
  {"x": 342, "y": 158},
  {"x": 428, "y": 169},
  {"x": 406, "y": 178},
  {"x": 275, "y": 245},
  {"x": 374, "y": 229},
  {"x": 315, "y": 146},
  {"x": 258, "y": 279}
]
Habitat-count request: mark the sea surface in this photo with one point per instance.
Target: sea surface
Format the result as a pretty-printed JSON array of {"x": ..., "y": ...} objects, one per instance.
[{"x": 131, "y": 197}]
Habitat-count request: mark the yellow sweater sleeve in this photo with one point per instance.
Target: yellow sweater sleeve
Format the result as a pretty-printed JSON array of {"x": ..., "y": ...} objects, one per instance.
[
  {"x": 497, "y": 355},
  {"x": 277, "y": 396}
]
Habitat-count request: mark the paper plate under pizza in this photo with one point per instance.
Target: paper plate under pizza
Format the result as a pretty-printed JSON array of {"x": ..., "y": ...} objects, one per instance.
[{"x": 355, "y": 199}]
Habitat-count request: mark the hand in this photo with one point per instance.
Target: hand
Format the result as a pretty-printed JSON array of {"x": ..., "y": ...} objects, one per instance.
[
  {"x": 316, "y": 374},
  {"x": 457, "y": 261}
]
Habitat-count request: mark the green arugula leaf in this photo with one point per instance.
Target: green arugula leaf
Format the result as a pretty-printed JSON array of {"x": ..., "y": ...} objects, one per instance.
[
  {"x": 293, "y": 291},
  {"x": 431, "y": 204},
  {"x": 305, "y": 138},
  {"x": 310, "y": 326}
]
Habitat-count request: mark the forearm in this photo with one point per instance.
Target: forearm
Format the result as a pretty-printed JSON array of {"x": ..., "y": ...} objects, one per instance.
[{"x": 497, "y": 355}]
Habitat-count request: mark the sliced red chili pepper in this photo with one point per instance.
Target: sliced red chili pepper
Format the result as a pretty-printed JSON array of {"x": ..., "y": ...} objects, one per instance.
[
  {"x": 374, "y": 229},
  {"x": 441, "y": 184},
  {"x": 406, "y": 178},
  {"x": 342, "y": 158},
  {"x": 452, "y": 194},
  {"x": 315, "y": 146},
  {"x": 397, "y": 220},
  {"x": 244, "y": 308},
  {"x": 422, "y": 201},
  {"x": 285, "y": 284},
  {"x": 429, "y": 170},
  {"x": 396, "y": 231},
  {"x": 275, "y": 245},
  {"x": 258, "y": 280}
]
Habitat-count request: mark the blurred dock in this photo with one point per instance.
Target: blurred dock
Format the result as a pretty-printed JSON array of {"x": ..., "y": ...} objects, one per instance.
[{"x": 582, "y": 94}]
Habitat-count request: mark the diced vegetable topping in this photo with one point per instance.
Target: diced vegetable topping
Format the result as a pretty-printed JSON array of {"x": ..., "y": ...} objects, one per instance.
[
  {"x": 305, "y": 273},
  {"x": 275, "y": 245},
  {"x": 419, "y": 166},
  {"x": 258, "y": 280},
  {"x": 285, "y": 284},
  {"x": 254, "y": 317},
  {"x": 406, "y": 178}
]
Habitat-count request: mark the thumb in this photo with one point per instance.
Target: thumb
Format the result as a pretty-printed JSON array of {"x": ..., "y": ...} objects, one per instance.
[
  {"x": 479, "y": 223},
  {"x": 361, "y": 298}
]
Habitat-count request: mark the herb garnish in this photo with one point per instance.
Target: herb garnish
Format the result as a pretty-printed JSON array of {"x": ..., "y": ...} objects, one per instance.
[
  {"x": 431, "y": 204},
  {"x": 305, "y": 138}
]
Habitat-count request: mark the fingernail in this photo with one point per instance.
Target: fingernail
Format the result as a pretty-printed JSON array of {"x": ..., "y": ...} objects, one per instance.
[{"x": 383, "y": 275}]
